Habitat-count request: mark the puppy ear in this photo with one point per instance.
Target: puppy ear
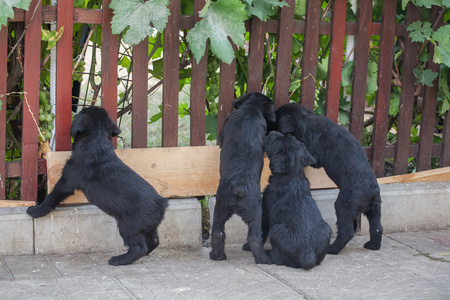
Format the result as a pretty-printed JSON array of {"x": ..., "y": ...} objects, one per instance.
[
  {"x": 286, "y": 124},
  {"x": 81, "y": 123},
  {"x": 115, "y": 130},
  {"x": 308, "y": 159}
]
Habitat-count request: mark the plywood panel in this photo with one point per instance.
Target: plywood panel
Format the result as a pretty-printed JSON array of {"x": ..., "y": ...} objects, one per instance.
[
  {"x": 442, "y": 174},
  {"x": 175, "y": 171}
]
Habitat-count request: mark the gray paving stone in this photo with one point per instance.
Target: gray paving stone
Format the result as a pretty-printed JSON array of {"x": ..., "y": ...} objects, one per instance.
[{"x": 16, "y": 231}]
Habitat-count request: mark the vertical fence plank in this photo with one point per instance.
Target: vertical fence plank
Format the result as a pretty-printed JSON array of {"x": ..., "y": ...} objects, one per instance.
[
  {"x": 198, "y": 90},
  {"x": 284, "y": 53},
  {"x": 140, "y": 99},
  {"x": 337, "y": 41},
  {"x": 360, "y": 68},
  {"x": 109, "y": 63},
  {"x": 3, "y": 99},
  {"x": 30, "y": 129},
  {"x": 445, "y": 147},
  {"x": 410, "y": 57},
  {"x": 64, "y": 76},
  {"x": 255, "y": 56},
  {"x": 171, "y": 76},
  {"x": 429, "y": 106},
  {"x": 385, "y": 61},
  {"x": 226, "y": 90},
  {"x": 310, "y": 54}
]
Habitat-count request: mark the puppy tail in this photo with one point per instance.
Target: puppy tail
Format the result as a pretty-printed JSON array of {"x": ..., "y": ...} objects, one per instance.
[{"x": 239, "y": 190}]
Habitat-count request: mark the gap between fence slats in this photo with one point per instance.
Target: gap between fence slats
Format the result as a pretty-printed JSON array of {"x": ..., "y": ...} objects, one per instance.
[
  {"x": 30, "y": 130},
  {"x": 198, "y": 90},
  {"x": 226, "y": 90},
  {"x": 310, "y": 54},
  {"x": 429, "y": 106},
  {"x": 360, "y": 68},
  {"x": 385, "y": 61},
  {"x": 109, "y": 64},
  {"x": 337, "y": 42},
  {"x": 284, "y": 53},
  {"x": 140, "y": 100},
  {"x": 255, "y": 56},
  {"x": 171, "y": 75},
  {"x": 3, "y": 99},
  {"x": 64, "y": 78},
  {"x": 410, "y": 58}
]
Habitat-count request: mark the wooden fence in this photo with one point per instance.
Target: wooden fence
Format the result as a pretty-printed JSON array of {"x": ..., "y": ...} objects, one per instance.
[{"x": 65, "y": 15}]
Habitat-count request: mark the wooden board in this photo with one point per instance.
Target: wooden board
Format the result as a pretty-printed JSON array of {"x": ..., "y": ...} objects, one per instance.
[
  {"x": 16, "y": 203},
  {"x": 442, "y": 174},
  {"x": 174, "y": 171}
]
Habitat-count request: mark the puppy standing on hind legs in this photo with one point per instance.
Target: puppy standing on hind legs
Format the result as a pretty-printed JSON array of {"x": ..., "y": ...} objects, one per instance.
[
  {"x": 298, "y": 234},
  {"x": 108, "y": 183},
  {"x": 241, "y": 161},
  {"x": 345, "y": 162}
]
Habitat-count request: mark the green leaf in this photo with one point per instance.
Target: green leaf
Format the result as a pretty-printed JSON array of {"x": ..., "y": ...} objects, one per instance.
[
  {"x": 404, "y": 4},
  {"x": 426, "y": 77},
  {"x": 262, "y": 8},
  {"x": 347, "y": 72},
  {"x": 6, "y": 9},
  {"x": 394, "y": 104},
  {"x": 372, "y": 85},
  {"x": 1, "y": 103},
  {"x": 51, "y": 36},
  {"x": 156, "y": 117},
  {"x": 225, "y": 18},
  {"x": 136, "y": 16},
  {"x": 300, "y": 8},
  {"x": 442, "y": 37},
  {"x": 446, "y": 3},
  {"x": 420, "y": 31},
  {"x": 428, "y": 3},
  {"x": 211, "y": 126},
  {"x": 444, "y": 91}
]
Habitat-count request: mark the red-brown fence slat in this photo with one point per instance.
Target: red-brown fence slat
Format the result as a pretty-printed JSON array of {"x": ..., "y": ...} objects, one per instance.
[
  {"x": 64, "y": 79},
  {"x": 284, "y": 54},
  {"x": 410, "y": 58},
  {"x": 360, "y": 68},
  {"x": 226, "y": 90},
  {"x": 385, "y": 61},
  {"x": 310, "y": 54},
  {"x": 198, "y": 91},
  {"x": 429, "y": 105},
  {"x": 255, "y": 56},
  {"x": 30, "y": 130},
  {"x": 445, "y": 148},
  {"x": 3, "y": 99},
  {"x": 140, "y": 99},
  {"x": 337, "y": 41},
  {"x": 171, "y": 77},
  {"x": 109, "y": 64}
]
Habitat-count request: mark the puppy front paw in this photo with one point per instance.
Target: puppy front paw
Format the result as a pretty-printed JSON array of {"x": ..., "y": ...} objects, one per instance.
[
  {"x": 37, "y": 211},
  {"x": 372, "y": 246},
  {"x": 333, "y": 249},
  {"x": 265, "y": 260},
  {"x": 217, "y": 256},
  {"x": 246, "y": 247}
]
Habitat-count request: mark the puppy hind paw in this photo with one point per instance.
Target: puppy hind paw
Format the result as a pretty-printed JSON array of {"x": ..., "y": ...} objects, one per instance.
[
  {"x": 217, "y": 256},
  {"x": 333, "y": 249},
  {"x": 246, "y": 247},
  {"x": 263, "y": 260},
  {"x": 372, "y": 245}
]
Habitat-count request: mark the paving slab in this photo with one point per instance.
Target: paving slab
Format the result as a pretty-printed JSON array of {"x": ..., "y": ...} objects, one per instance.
[{"x": 409, "y": 265}]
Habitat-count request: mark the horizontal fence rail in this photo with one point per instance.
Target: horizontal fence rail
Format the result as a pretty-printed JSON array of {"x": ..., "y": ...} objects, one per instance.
[{"x": 312, "y": 27}]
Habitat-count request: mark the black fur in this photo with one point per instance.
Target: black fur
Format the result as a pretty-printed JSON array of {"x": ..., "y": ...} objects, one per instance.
[
  {"x": 241, "y": 162},
  {"x": 298, "y": 234},
  {"x": 344, "y": 160},
  {"x": 108, "y": 183}
]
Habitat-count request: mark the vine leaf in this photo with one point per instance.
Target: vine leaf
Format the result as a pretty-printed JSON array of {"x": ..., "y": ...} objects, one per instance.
[
  {"x": 442, "y": 50},
  {"x": 426, "y": 77},
  {"x": 419, "y": 32},
  {"x": 262, "y": 8},
  {"x": 428, "y": 3},
  {"x": 224, "y": 18},
  {"x": 6, "y": 9},
  {"x": 135, "y": 16}
]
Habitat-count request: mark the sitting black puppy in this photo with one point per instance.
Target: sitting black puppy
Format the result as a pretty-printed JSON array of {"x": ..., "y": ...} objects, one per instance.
[
  {"x": 345, "y": 162},
  {"x": 298, "y": 234},
  {"x": 108, "y": 183},
  {"x": 241, "y": 161}
]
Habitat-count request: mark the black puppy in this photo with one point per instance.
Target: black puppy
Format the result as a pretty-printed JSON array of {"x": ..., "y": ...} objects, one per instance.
[
  {"x": 241, "y": 161},
  {"x": 344, "y": 160},
  {"x": 298, "y": 234},
  {"x": 108, "y": 183}
]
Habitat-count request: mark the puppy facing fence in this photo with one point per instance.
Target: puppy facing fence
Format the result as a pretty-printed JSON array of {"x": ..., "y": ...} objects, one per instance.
[
  {"x": 241, "y": 162},
  {"x": 108, "y": 183},
  {"x": 345, "y": 162},
  {"x": 298, "y": 234}
]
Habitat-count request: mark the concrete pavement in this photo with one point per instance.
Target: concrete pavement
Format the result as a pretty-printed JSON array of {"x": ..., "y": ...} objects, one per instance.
[{"x": 409, "y": 265}]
